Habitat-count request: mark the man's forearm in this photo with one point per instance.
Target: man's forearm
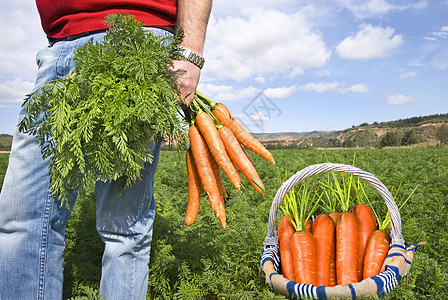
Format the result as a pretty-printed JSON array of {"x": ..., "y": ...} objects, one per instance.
[{"x": 193, "y": 16}]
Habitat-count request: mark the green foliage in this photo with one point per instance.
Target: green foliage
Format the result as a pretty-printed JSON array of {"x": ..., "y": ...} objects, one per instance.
[
  {"x": 3, "y": 166},
  {"x": 366, "y": 138},
  {"x": 99, "y": 119},
  {"x": 88, "y": 293},
  {"x": 410, "y": 137},
  {"x": 300, "y": 203},
  {"x": 442, "y": 134},
  {"x": 391, "y": 138},
  {"x": 5, "y": 142},
  {"x": 415, "y": 121},
  {"x": 204, "y": 261},
  {"x": 83, "y": 249}
]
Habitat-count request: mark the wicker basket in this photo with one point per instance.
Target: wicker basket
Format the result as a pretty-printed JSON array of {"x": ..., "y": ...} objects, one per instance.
[{"x": 396, "y": 265}]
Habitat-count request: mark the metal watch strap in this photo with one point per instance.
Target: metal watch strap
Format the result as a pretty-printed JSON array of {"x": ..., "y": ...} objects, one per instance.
[{"x": 193, "y": 57}]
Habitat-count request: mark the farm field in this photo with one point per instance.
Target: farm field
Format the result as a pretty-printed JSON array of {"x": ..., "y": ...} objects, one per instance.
[{"x": 204, "y": 261}]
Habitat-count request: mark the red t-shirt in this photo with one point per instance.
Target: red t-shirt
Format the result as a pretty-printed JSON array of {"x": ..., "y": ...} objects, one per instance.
[{"x": 62, "y": 18}]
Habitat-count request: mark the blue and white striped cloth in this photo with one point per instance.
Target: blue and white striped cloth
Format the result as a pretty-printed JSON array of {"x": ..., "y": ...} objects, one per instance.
[{"x": 395, "y": 267}]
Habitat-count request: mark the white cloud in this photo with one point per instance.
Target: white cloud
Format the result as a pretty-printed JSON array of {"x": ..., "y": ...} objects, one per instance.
[
  {"x": 359, "y": 88},
  {"x": 259, "y": 116},
  {"x": 363, "y": 9},
  {"x": 432, "y": 55},
  {"x": 408, "y": 75},
  {"x": 437, "y": 35},
  {"x": 214, "y": 89},
  {"x": 370, "y": 42},
  {"x": 14, "y": 91},
  {"x": 279, "y": 93},
  {"x": 260, "y": 79},
  {"x": 254, "y": 122},
  {"x": 220, "y": 93},
  {"x": 261, "y": 42},
  {"x": 333, "y": 87},
  {"x": 21, "y": 38},
  {"x": 321, "y": 87},
  {"x": 399, "y": 99},
  {"x": 324, "y": 73},
  {"x": 439, "y": 61}
]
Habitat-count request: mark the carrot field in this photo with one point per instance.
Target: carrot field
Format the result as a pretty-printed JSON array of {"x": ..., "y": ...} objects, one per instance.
[{"x": 205, "y": 261}]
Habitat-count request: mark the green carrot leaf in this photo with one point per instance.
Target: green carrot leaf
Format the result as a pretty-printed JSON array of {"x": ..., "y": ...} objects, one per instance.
[{"x": 96, "y": 122}]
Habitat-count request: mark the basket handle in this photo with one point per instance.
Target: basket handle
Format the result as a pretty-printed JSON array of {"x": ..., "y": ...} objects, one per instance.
[{"x": 271, "y": 237}]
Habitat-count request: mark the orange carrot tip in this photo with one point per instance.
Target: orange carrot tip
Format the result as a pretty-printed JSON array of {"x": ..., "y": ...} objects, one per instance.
[{"x": 201, "y": 157}]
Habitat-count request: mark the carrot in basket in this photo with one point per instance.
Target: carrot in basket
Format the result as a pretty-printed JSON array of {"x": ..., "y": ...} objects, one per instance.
[
  {"x": 201, "y": 156},
  {"x": 323, "y": 232},
  {"x": 333, "y": 280},
  {"x": 237, "y": 156},
  {"x": 285, "y": 231},
  {"x": 346, "y": 248},
  {"x": 194, "y": 190},
  {"x": 376, "y": 252},
  {"x": 366, "y": 225},
  {"x": 334, "y": 215},
  {"x": 309, "y": 226},
  {"x": 303, "y": 252},
  {"x": 301, "y": 204},
  {"x": 208, "y": 130}
]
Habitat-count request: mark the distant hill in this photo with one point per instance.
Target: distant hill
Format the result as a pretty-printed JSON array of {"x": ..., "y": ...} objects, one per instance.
[
  {"x": 286, "y": 136},
  {"x": 5, "y": 142},
  {"x": 415, "y": 130}
]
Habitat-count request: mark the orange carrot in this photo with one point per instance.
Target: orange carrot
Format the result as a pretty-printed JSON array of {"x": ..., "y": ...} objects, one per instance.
[
  {"x": 285, "y": 231},
  {"x": 323, "y": 232},
  {"x": 217, "y": 172},
  {"x": 346, "y": 248},
  {"x": 303, "y": 251},
  {"x": 208, "y": 130},
  {"x": 333, "y": 280},
  {"x": 237, "y": 156},
  {"x": 225, "y": 116},
  {"x": 366, "y": 225},
  {"x": 194, "y": 190},
  {"x": 201, "y": 156},
  {"x": 244, "y": 150},
  {"x": 376, "y": 252},
  {"x": 309, "y": 226},
  {"x": 334, "y": 215}
]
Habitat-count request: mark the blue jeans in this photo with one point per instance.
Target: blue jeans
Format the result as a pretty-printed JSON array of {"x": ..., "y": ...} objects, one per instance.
[{"x": 32, "y": 222}]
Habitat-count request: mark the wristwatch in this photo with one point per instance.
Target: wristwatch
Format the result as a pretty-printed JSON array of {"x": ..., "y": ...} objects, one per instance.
[{"x": 193, "y": 57}]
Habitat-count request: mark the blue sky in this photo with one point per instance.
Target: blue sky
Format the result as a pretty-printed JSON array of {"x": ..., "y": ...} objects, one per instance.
[{"x": 288, "y": 65}]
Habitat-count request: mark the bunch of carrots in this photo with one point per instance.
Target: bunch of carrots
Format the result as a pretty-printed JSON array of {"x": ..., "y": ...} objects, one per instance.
[
  {"x": 218, "y": 142},
  {"x": 337, "y": 248}
]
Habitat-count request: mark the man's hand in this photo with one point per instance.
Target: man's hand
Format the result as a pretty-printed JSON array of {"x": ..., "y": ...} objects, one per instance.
[
  {"x": 193, "y": 18},
  {"x": 188, "y": 74}
]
